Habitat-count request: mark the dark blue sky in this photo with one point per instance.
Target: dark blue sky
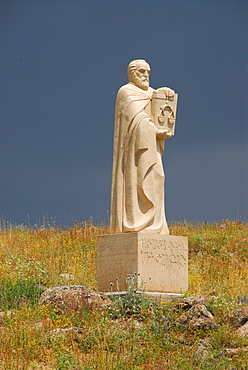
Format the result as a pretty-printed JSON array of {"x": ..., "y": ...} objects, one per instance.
[{"x": 62, "y": 63}]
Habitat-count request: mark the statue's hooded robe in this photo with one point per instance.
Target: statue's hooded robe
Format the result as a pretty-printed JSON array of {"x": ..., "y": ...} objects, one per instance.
[{"x": 137, "y": 195}]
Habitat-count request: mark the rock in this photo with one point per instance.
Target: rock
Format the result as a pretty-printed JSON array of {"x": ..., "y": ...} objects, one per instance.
[
  {"x": 130, "y": 324},
  {"x": 197, "y": 317},
  {"x": 203, "y": 348},
  {"x": 3, "y": 330},
  {"x": 186, "y": 338},
  {"x": 242, "y": 331},
  {"x": 74, "y": 297},
  {"x": 39, "y": 366},
  {"x": 43, "y": 324},
  {"x": 73, "y": 333},
  {"x": 203, "y": 323},
  {"x": 67, "y": 278},
  {"x": 232, "y": 351},
  {"x": 197, "y": 311},
  {"x": 238, "y": 317},
  {"x": 4, "y": 314},
  {"x": 188, "y": 302}
]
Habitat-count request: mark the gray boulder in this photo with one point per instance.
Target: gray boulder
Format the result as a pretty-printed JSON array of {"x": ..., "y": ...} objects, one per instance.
[
  {"x": 73, "y": 333},
  {"x": 73, "y": 298},
  {"x": 242, "y": 331},
  {"x": 233, "y": 351},
  {"x": 189, "y": 302},
  {"x": 238, "y": 317},
  {"x": 197, "y": 317}
]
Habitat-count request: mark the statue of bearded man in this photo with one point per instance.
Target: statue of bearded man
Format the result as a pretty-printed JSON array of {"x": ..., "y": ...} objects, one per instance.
[{"x": 137, "y": 195}]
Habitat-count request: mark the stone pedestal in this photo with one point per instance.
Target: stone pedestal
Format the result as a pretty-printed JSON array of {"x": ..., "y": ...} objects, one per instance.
[{"x": 160, "y": 262}]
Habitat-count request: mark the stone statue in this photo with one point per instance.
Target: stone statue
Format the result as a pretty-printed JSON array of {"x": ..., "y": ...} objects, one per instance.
[
  {"x": 144, "y": 118},
  {"x": 140, "y": 242}
]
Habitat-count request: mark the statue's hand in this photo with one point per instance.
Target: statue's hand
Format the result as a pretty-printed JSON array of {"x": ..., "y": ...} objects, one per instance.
[
  {"x": 168, "y": 92},
  {"x": 163, "y": 134}
]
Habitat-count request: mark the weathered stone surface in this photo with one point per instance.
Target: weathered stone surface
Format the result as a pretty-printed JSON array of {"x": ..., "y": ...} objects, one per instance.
[
  {"x": 74, "y": 297},
  {"x": 203, "y": 323},
  {"x": 197, "y": 317},
  {"x": 73, "y": 333},
  {"x": 46, "y": 323},
  {"x": 203, "y": 348},
  {"x": 158, "y": 261},
  {"x": 186, "y": 338},
  {"x": 188, "y": 302},
  {"x": 242, "y": 331},
  {"x": 129, "y": 324},
  {"x": 40, "y": 366},
  {"x": 67, "y": 278},
  {"x": 239, "y": 316},
  {"x": 232, "y": 351},
  {"x": 6, "y": 314}
]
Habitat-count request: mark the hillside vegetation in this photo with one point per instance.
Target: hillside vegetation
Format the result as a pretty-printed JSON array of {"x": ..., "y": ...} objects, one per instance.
[{"x": 33, "y": 259}]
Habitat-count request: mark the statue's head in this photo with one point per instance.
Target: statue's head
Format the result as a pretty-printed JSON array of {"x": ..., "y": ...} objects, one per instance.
[{"x": 138, "y": 72}]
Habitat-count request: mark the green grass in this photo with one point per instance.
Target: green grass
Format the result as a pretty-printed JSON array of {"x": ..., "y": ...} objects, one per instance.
[{"x": 134, "y": 333}]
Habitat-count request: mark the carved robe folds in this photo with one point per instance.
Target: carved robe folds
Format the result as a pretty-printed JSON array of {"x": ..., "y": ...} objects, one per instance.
[{"x": 137, "y": 196}]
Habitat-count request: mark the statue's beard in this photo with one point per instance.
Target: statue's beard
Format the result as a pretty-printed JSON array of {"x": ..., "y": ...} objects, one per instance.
[{"x": 144, "y": 85}]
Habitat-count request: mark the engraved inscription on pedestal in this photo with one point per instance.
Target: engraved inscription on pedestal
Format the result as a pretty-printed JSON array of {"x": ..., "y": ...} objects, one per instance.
[
  {"x": 163, "y": 251},
  {"x": 166, "y": 260}
]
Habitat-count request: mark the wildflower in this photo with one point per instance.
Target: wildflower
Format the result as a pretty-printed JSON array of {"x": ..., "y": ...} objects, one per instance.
[{"x": 117, "y": 283}]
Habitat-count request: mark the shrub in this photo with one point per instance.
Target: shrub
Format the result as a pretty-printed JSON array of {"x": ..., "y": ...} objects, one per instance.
[{"x": 15, "y": 294}]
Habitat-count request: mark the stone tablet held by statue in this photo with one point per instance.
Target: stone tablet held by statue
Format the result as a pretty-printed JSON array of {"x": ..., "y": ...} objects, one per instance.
[{"x": 163, "y": 111}]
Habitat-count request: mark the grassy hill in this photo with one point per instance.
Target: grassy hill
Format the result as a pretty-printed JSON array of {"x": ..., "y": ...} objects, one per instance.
[{"x": 32, "y": 259}]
